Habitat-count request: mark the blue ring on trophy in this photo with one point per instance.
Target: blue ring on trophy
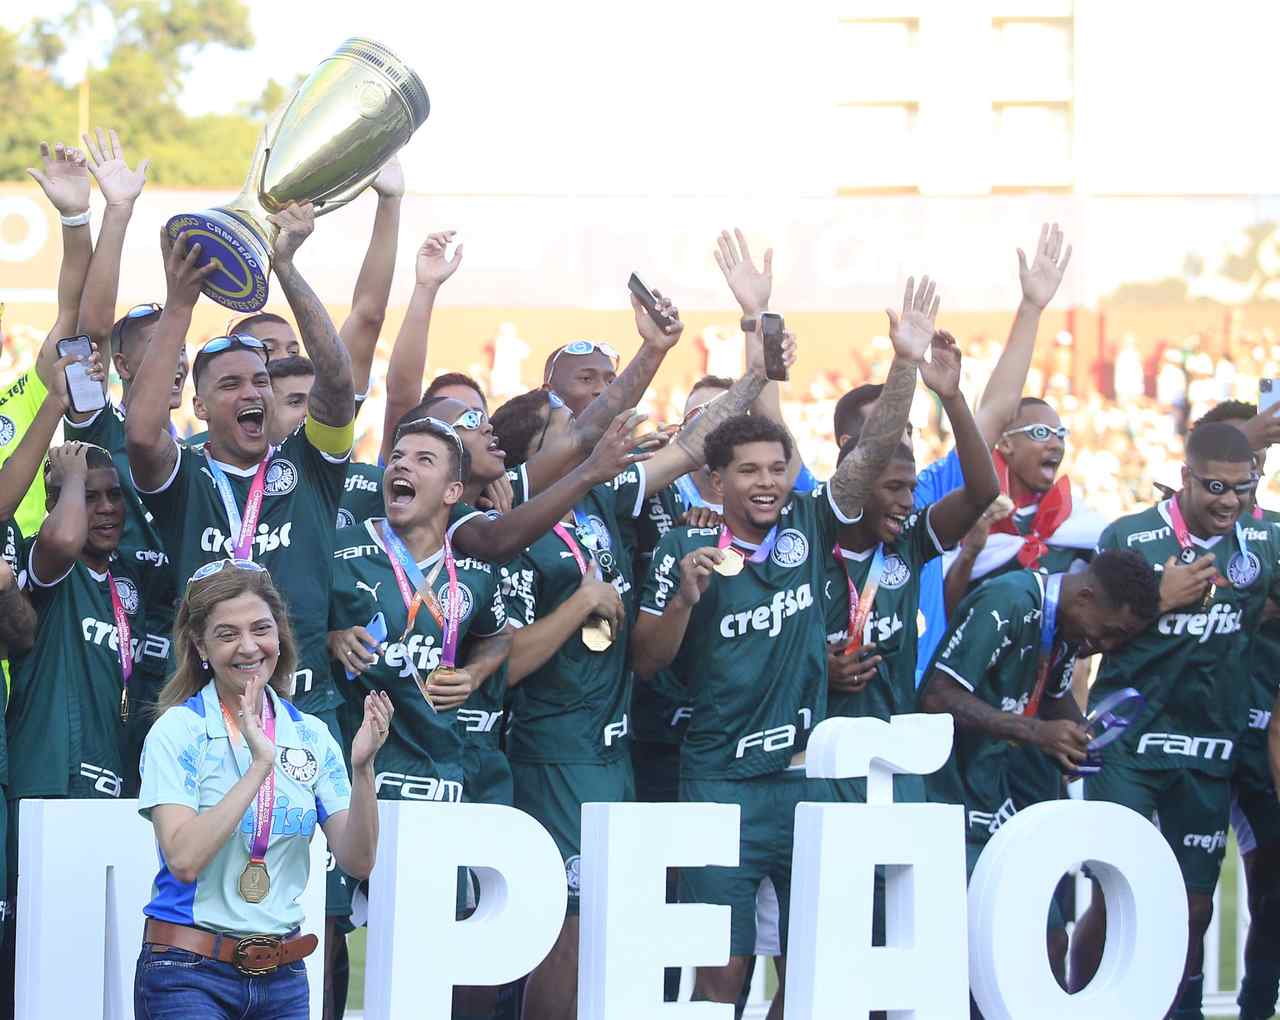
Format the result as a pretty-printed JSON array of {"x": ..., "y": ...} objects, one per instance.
[{"x": 241, "y": 283}]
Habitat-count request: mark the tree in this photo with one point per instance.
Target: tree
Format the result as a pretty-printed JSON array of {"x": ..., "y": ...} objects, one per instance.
[{"x": 135, "y": 89}]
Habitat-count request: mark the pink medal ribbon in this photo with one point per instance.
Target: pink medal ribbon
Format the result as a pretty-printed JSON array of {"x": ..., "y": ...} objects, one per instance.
[
  {"x": 243, "y": 525},
  {"x": 265, "y": 802},
  {"x": 1188, "y": 555},
  {"x": 124, "y": 644},
  {"x": 760, "y": 555},
  {"x": 567, "y": 538}
]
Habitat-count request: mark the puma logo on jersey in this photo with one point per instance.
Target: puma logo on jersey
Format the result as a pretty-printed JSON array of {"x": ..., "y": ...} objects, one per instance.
[
  {"x": 265, "y": 541},
  {"x": 1218, "y": 620},
  {"x": 1187, "y": 747},
  {"x": 1001, "y": 624},
  {"x": 1259, "y": 718},
  {"x": 768, "y": 617},
  {"x": 97, "y": 632},
  {"x": 357, "y": 483},
  {"x": 373, "y": 592},
  {"x": 419, "y": 787}
]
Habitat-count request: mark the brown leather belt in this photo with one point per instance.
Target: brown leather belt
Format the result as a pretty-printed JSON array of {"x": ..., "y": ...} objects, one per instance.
[{"x": 249, "y": 954}]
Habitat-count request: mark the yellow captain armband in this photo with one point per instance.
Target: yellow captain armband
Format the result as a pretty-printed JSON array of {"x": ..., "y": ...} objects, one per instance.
[{"x": 334, "y": 440}]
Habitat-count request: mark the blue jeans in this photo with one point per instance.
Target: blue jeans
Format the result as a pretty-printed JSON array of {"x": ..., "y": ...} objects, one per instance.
[{"x": 172, "y": 984}]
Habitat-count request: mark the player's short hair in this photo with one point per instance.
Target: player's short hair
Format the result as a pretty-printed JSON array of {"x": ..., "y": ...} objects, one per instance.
[
  {"x": 125, "y": 329},
  {"x": 96, "y": 459},
  {"x": 1228, "y": 410},
  {"x": 1027, "y": 402},
  {"x": 246, "y": 324},
  {"x": 902, "y": 451},
  {"x": 455, "y": 379},
  {"x": 712, "y": 382},
  {"x": 290, "y": 368},
  {"x": 517, "y": 421},
  {"x": 1216, "y": 440},
  {"x": 459, "y": 459},
  {"x": 739, "y": 430},
  {"x": 1126, "y": 579},
  {"x": 851, "y": 409}
]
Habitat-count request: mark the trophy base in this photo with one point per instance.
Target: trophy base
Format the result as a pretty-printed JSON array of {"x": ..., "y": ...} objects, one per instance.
[{"x": 241, "y": 283}]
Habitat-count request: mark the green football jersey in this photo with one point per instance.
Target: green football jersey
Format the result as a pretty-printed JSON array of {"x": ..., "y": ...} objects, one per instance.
[
  {"x": 992, "y": 649},
  {"x": 140, "y": 541},
  {"x": 574, "y": 708},
  {"x": 423, "y": 752},
  {"x": 892, "y": 625},
  {"x": 361, "y": 495},
  {"x": 11, "y": 551},
  {"x": 64, "y": 703},
  {"x": 754, "y": 653},
  {"x": 1265, "y": 667},
  {"x": 294, "y": 540},
  {"x": 1192, "y": 665},
  {"x": 659, "y": 705}
]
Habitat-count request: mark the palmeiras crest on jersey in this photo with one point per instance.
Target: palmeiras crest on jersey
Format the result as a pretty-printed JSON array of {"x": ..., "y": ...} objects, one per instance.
[
  {"x": 791, "y": 549},
  {"x": 127, "y": 593},
  {"x": 282, "y": 478},
  {"x": 896, "y": 572},
  {"x": 1243, "y": 569}
]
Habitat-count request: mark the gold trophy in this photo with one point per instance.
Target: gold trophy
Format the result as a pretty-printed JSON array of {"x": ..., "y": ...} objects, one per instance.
[{"x": 325, "y": 146}]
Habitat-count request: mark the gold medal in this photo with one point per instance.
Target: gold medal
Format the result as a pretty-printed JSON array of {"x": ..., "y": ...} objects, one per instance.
[
  {"x": 441, "y": 672},
  {"x": 597, "y": 634},
  {"x": 1209, "y": 595},
  {"x": 255, "y": 883},
  {"x": 732, "y": 564},
  {"x": 124, "y": 706}
]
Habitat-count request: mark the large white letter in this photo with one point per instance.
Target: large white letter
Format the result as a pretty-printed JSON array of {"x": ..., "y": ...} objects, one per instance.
[
  {"x": 629, "y": 933},
  {"x": 418, "y": 950},
  {"x": 85, "y": 869},
  {"x": 832, "y": 968},
  {"x": 1009, "y": 902}
]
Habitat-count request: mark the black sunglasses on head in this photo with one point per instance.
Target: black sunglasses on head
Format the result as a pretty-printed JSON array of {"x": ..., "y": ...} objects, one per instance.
[{"x": 221, "y": 344}]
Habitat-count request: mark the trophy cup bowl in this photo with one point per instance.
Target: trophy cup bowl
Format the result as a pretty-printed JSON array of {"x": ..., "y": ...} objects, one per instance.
[{"x": 326, "y": 145}]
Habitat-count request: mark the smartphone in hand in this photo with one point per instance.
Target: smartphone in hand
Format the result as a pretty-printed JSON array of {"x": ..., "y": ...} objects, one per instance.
[
  {"x": 1268, "y": 395},
  {"x": 86, "y": 393},
  {"x": 772, "y": 326},
  {"x": 645, "y": 296}
]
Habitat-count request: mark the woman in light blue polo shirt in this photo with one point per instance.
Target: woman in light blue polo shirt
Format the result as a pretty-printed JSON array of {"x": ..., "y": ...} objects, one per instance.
[{"x": 235, "y": 779}]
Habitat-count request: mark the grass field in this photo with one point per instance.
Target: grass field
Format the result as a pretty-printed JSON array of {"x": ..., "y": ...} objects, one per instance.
[{"x": 1230, "y": 877}]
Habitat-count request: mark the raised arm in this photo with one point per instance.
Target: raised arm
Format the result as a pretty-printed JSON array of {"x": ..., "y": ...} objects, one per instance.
[
  {"x": 363, "y": 325},
  {"x": 121, "y": 187},
  {"x": 912, "y": 334},
  {"x": 332, "y": 401},
  {"x": 960, "y": 571},
  {"x": 64, "y": 531},
  {"x": 19, "y": 471},
  {"x": 555, "y": 458},
  {"x": 953, "y": 515},
  {"x": 409, "y": 355},
  {"x": 1040, "y": 280},
  {"x": 65, "y": 181},
  {"x": 151, "y": 448},
  {"x": 501, "y": 539}
]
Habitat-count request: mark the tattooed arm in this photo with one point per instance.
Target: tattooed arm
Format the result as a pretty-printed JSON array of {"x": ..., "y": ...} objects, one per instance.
[
  {"x": 887, "y": 420},
  {"x": 17, "y": 617},
  {"x": 332, "y": 399}
]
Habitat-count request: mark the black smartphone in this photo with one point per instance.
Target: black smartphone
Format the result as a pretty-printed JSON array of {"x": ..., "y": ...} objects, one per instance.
[
  {"x": 86, "y": 393},
  {"x": 645, "y": 296},
  {"x": 772, "y": 327}
]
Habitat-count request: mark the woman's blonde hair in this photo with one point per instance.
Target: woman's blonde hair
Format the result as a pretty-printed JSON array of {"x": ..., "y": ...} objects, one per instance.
[{"x": 201, "y": 598}]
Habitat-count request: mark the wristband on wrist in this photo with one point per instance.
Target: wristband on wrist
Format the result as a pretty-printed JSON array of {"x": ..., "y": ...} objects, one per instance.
[
  {"x": 747, "y": 324},
  {"x": 78, "y": 220}
]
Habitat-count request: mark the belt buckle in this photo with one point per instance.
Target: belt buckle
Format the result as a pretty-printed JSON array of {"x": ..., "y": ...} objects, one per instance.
[{"x": 246, "y": 946}]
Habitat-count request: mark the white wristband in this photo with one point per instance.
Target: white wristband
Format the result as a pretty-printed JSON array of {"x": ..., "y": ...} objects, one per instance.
[{"x": 78, "y": 220}]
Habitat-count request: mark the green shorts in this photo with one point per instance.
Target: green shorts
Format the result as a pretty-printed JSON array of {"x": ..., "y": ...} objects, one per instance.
[
  {"x": 486, "y": 776},
  {"x": 767, "y": 833},
  {"x": 906, "y": 790},
  {"x": 1192, "y": 809},
  {"x": 554, "y": 795},
  {"x": 657, "y": 769},
  {"x": 1255, "y": 810}
]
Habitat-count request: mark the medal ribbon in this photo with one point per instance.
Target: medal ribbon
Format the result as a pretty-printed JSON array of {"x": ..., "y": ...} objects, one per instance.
[
  {"x": 1048, "y": 636},
  {"x": 761, "y": 554},
  {"x": 860, "y": 604},
  {"x": 124, "y": 636},
  {"x": 1183, "y": 534},
  {"x": 264, "y": 803},
  {"x": 417, "y": 590},
  {"x": 243, "y": 527},
  {"x": 578, "y": 557}
]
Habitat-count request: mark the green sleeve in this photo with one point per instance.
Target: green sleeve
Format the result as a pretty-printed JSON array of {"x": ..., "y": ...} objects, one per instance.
[{"x": 978, "y": 638}]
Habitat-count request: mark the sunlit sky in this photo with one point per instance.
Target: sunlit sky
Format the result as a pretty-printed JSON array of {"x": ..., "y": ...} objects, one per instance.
[{"x": 719, "y": 97}]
